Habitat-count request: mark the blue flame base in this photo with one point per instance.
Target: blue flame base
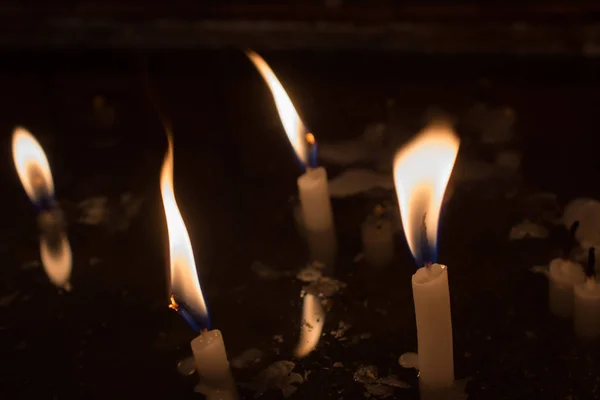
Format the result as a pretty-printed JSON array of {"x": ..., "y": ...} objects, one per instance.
[{"x": 198, "y": 322}]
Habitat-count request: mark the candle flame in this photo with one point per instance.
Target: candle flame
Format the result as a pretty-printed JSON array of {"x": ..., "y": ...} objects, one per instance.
[
  {"x": 313, "y": 318},
  {"x": 57, "y": 259},
  {"x": 422, "y": 170},
  {"x": 32, "y": 166},
  {"x": 292, "y": 124},
  {"x": 185, "y": 285}
]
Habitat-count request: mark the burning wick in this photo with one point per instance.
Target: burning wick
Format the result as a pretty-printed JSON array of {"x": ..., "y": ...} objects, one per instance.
[
  {"x": 586, "y": 315},
  {"x": 35, "y": 175},
  {"x": 185, "y": 314},
  {"x": 563, "y": 275},
  {"x": 216, "y": 382},
  {"x": 312, "y": 150},
  {"x": 422, "y": 169},
  {"x": 313, "y": 187}
]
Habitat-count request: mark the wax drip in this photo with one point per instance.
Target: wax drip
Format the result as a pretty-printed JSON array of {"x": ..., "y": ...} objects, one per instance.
[
  {"x": 591, "y": 266},
  {"x": 570, "y": 240},
  {"x": 198, "y": 324}
]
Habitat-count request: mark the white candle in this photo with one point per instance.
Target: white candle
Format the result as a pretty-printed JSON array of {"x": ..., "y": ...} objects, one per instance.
[
  {"x": 434, "y": 327},
  {"x": 378, "y": 240},
  {"x": 586, "y": 316},
  {"x": 216, "y": 382},
  {"x": 562, "y": 276},
  {"x": 314, "y": 200},
  {"x": 322, "y": 247}
]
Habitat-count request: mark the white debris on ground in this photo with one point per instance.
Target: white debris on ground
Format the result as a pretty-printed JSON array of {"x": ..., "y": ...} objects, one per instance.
[
  {"x": 528, "y": 230},
  {"x": 94, "y": 210},
  {"x": 539, "y": 269},
  {"x": 375, "y": 386},
  {"x": 309, "y": 273},
  {"x": 587, "y": 212},
  {"x": 266, "y": 272},
  {"x": 324, "y": 287},
  {"x": 187, "y": 366},
  {"x": 278, "y": 376},
  {"x": 341, "y": 330},
  {"x": 409, "y": 360},
  {"x": 247, "y": 358},
  {"x": 8, "y": 299},
  {"x": 355, "y": 181}
]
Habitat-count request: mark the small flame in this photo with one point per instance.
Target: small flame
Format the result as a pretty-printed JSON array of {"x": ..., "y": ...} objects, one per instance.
[
  {"x": 422, "y": 170},
  {"x": 313, "y": 318},
  {"x": 57, "y": 259},
  {"x": 32, "y": 166},
  {"x": 185, "y": 285},
  {"x": 292, "y": 124}
]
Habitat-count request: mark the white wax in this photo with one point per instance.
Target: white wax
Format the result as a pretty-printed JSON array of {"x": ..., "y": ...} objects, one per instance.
[
  {"x": 434, "y": 327},
  {"x": 563, "y": 274},
  {"x": 322, "y": 247},
  {"x": 378, "y": 241},
  {"x": 212, "y": 365},
  {"x": 586, "y": 316},
  {"x": 314, "y": 200}
]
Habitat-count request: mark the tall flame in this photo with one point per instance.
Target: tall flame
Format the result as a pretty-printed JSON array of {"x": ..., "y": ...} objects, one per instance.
[
  {"x": 422, "y": 170},
  {"x": 185, "y": 285},
  {"x": 292, "y": 124},
  {"x": 32, "y": 166}
]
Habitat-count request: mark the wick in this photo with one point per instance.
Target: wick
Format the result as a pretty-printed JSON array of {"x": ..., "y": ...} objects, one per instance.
[
  {"x": 570, "y": 240},
  {"x": 203, "y": 330},
  {"x": 173, "y": 305},
  {"x": 428, "y": 264},
  {"x": 591, "y": 267}
]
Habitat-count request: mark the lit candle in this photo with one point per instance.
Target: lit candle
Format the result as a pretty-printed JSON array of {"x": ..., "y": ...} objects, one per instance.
[
  {"x": 187, "y": 299},
  {"x": 35, "y": 175},
  {"x": 563, "y": 275},
  {"x": 586, "y": 317},
  {"x": 422, "y": 170},
  {"x": 312, "y": 185},
  {"x": 378, "y": 239}
]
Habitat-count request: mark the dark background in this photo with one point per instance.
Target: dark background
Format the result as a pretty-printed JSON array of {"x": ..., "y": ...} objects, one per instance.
[{"x": 113, "y": 335}]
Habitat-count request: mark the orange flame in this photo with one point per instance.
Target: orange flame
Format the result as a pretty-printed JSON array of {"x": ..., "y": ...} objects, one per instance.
[
  {"x": 32, "y": 165},
  {"x": 313, "y": 318},
  {"x": 422, "y": 170},
  {"x": 292, "y": 124},
  {"x": 184, "y": 277}
]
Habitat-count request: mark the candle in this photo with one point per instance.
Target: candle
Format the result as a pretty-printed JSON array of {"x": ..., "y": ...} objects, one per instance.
[
  {"x": 586, "y": 317},
  {"x": 562, "y": 276},
  {"x": 313, "y": 319},
  {"x": 378, "y": 239},
  {"x": 36, "y": 177},
  {"x": 422, "y": 169},
  {"x": 315, "y": 203},
  {"x": 187, "y": 298}
]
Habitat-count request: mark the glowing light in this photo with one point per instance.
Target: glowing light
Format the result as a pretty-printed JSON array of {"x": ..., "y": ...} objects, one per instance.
[
  {"x": 313, "y": 318},
  {"x": 292, "y": 124},
  {"x": 32, "y": 165},
  {"x": 422, "y": 170},
  {"x": 185, "y": 286}
]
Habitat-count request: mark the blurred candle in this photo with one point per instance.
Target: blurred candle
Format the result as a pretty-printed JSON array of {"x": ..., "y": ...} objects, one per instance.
[
  {"x": 422, "y": 169},
  {"x": 216, "y": 382},
  {"x": 586, "y": 318},
  {"x": 35, "y": 175},
  {"x": 562, "y": 276},
  {"x": 315, "y": 202},
  {"x": 378, "y": 239}
]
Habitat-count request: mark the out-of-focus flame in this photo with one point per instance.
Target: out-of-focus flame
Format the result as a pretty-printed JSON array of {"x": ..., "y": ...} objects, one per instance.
[
  {"x": 422, "y": 170},
  {"x": 313, "y": 318},
  {"x": 185, "y": 285},
  {"x": 292, "y": 124},
  {"x": 32, "y": 165},
  {"x": 57, "y": 259}
]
